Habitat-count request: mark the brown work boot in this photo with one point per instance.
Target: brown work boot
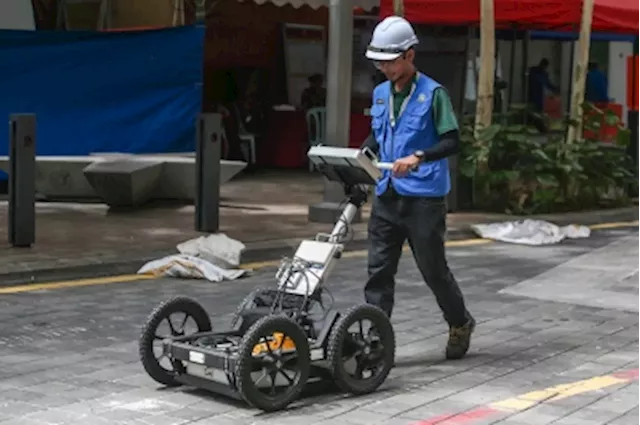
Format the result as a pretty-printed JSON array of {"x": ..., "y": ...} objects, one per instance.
[{"x": 459, "y": 340}]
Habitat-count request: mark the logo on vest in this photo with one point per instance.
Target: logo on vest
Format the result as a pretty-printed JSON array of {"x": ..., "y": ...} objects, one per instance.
[{"x": 422, "y": 97}]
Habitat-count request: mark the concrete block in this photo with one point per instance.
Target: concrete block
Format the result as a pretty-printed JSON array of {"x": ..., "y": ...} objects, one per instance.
[
  {"x": 63, "y": 177},
  {"x": 124, "y": 182}
]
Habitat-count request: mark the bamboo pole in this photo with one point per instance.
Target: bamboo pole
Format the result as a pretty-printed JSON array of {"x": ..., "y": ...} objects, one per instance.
[
  {"x": 177, "y": 7},
  {"x": 398, "y": 7},
  {"x": 484, "y": 104},
  {"x": 580, "y": 63}
]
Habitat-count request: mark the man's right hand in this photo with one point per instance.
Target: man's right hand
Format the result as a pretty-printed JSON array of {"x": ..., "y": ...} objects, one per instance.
[{"x": 402, "y": 166}]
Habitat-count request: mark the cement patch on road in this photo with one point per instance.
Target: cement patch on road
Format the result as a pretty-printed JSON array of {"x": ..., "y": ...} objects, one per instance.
[{"x": 604, "y": 278}]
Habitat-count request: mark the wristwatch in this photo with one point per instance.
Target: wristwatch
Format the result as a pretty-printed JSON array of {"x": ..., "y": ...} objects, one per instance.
[{"x": 419, "y": 155}]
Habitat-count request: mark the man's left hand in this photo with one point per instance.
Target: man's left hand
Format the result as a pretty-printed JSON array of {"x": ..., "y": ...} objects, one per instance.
[{"x": 402, "y": 166}]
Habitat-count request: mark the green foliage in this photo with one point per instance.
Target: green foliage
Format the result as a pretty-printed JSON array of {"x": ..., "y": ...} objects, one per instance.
[{"x": 517, "y": 170}]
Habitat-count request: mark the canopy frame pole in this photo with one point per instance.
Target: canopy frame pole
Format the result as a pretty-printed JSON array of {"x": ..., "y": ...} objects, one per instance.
[
  {"x": 580, "y": 64},
  {"x": 484, "y": 106}
]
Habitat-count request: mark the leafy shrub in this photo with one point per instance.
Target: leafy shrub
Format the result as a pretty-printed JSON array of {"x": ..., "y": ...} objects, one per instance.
[{"x": 517, "y": 170}]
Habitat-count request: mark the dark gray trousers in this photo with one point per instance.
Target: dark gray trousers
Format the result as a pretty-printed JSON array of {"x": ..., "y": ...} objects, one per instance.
[{"x": 422, "y": 221}]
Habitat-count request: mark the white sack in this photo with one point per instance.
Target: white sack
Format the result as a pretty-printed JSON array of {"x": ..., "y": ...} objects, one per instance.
[
  {"x": 190, "y": 267},
  {"x": 529, "y": 232},
  {"x": 218, "y": 249}
]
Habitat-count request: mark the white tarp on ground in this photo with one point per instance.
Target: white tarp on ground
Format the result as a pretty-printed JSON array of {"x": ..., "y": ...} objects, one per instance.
[
  {"x": 530, "y": 232},
  {"x": 214, "y": 258},
  {"x": 367, "y": 5}
]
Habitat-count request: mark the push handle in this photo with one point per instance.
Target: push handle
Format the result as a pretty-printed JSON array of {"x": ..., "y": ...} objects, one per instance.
[
  {"x": 384, "y": 165},
  {"x": 389, "y": 166},
  {"x": 380, "y": 165}
]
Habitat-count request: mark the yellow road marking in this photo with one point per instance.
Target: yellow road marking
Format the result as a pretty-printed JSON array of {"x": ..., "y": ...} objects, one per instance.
[
  {"x": 614, "y": 225},
  {"x": 363, "y": 253},
  {"x": 74, "y": 283},
  {"x": 558, "y": 392},
  {"x": 250, "y": 266}
]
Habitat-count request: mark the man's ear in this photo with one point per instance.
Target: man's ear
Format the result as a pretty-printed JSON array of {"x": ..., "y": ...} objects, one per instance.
[{"x": 411, "y": 54}]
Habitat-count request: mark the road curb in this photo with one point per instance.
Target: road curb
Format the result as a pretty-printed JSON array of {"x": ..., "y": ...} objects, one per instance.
[{"x": 264, "y": 252}]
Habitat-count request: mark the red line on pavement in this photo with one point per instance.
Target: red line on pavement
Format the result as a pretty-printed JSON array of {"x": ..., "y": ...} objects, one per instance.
[
  {"x": 460, "y": 418},
  {"x": 483, "y": 412},
  {"x": 631, "y": 374}
]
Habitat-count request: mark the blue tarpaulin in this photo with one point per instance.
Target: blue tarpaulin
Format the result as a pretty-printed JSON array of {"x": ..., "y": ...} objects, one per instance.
[{"x": 134, "y": 92}]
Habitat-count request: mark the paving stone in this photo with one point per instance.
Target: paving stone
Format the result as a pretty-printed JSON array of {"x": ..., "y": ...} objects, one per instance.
[
  {"x": 616, "y": 402},
  {"x": 538, "y": 415},
  {"x": 599, "y": 274},
  {"x": 571, "y": 420},
  {"x": 164, "y": 420},
  {"x": 91, "y": 369},
  {"x": 630, "y": 417},
  {"x": 25, "y": 421},
  {"x": 19, "y": 408},
  {"x": 590, "y": 414},
  {"x": 59, "y": 416}
]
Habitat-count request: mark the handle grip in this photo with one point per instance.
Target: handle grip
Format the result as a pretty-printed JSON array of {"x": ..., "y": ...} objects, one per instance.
[
  {"x": 380, "y": 165},
  {"x": 389, "y": 166}
]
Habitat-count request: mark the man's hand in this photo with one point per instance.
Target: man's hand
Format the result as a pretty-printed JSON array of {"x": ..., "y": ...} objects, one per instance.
[{"x": 402, "y": 166}]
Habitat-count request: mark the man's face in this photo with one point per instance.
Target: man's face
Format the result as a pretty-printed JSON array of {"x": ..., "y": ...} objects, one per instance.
[{"x": 397, "y": 68}]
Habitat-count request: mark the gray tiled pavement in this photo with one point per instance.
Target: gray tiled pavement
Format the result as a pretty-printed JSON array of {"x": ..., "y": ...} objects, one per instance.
[{"x": 69, "y": 356}]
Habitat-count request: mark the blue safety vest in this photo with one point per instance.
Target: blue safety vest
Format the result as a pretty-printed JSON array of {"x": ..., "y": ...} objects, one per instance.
[{"x": 412, "y": 130}]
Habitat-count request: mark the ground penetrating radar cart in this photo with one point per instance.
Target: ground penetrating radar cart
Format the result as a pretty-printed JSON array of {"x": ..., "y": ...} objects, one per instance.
[{"x": 284, "y": 337}]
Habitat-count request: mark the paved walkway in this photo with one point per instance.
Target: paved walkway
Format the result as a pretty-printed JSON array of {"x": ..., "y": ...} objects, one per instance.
[
  {"x": 267, "y": 212},
  {"x": 69, "y": 356}
]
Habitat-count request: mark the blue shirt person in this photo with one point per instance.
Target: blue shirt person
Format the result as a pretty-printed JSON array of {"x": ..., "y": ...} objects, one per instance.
[{"x": 597, "y": 86}]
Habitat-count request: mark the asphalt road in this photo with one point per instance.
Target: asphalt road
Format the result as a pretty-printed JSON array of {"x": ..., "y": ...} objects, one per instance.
[{"x": 68, "y": 353}]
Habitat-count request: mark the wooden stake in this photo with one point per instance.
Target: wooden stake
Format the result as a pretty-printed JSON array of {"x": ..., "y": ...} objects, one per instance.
[
  {"x": 398, "y": 7},
  {"x": 484, "y": 103},
  {"x": 580, "y": 64},
  {"x": 178, "y": 13}
]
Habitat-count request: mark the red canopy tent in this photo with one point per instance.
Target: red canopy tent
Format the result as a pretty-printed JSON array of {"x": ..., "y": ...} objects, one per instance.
[{"x": 611, "y": 16}]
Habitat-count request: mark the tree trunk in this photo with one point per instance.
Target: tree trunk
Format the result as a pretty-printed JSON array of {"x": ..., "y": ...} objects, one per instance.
[
  {"x": 484, "y": 103},
  {"x": 580, "y": 63}
]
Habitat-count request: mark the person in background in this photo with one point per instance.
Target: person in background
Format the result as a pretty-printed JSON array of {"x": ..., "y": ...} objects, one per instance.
[
  {"x": 315, "y": 95},
  {"x": 539, "y": 81},
  {"x": 596, "y": 86}
]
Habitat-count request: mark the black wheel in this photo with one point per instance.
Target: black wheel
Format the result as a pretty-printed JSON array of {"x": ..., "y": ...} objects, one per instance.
[
  {"x": 361, "y": 349},
  {"x": 178, "y": 316},
  {"x": 273, "y": 363}
]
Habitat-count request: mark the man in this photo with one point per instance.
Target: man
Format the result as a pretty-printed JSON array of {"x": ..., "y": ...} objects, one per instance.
[
  {"x": 539, "y": 81},
  {"x": 597, "y": 90},
  {"x": 413, "y": 126}
]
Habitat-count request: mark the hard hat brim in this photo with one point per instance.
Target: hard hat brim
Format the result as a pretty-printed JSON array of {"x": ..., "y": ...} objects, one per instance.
[{"x": 382, "y": 56}]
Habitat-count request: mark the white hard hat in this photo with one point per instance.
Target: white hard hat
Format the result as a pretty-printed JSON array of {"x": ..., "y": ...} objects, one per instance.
[{"x": 391, "y": 37}]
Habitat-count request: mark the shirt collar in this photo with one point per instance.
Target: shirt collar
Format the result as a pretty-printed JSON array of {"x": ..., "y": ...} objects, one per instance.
[{"x": 406, "y": 89}]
